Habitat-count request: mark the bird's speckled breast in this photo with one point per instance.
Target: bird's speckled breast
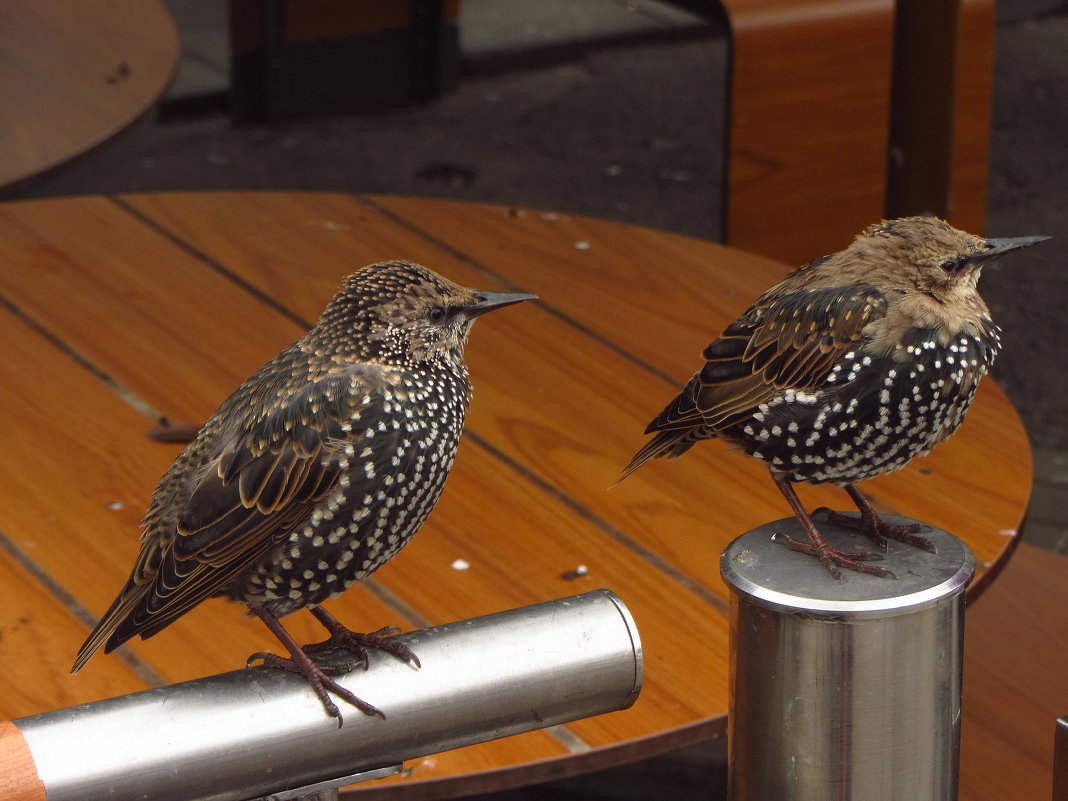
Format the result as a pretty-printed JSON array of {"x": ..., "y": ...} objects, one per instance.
[
  {"x": 393, "y": 471},
  {"x": 872, "y": 414}
]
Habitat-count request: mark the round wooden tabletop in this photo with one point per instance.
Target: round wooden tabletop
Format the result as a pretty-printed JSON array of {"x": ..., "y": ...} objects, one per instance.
[
  {"x": 119, "y": 310},
  {"x": 74, "y": 75}
]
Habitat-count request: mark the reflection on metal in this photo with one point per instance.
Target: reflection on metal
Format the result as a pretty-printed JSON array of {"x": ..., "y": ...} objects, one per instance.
[
  {"x": 850, "y": 688},
  {"x": 262, "y": 732},
  {"x": 327, "y": 790}
]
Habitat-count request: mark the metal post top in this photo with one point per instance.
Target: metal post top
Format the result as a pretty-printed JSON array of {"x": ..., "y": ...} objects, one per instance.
[{"x": 769, "y": 574}]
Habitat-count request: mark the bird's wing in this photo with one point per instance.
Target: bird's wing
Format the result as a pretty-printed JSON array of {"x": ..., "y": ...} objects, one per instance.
[
  {"x": 786, "y": 340},
  {"x": 263, "y": 483},
  {"x": 791, "y": 341}
]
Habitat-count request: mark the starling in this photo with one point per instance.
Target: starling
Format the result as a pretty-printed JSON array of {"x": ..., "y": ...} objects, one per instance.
[
  {"x": 314, "y": 472},
  {"x": 847, "y": 369}
]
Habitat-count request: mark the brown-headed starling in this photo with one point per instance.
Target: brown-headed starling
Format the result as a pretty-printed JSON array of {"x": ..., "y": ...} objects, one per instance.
[
  {"x": 851, "y": 366},
  {"x": 314, "y": 472}
]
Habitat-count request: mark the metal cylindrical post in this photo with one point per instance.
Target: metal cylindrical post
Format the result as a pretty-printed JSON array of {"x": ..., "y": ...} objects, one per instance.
[
  {"x": 262, "y": 731},
  {"x": 850, "y": 688}
]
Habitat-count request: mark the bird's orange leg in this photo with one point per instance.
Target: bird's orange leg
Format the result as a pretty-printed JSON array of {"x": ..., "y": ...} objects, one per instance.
[
  {"x": 357, "y": 644},
  {"x": 318, "y": 676},
  {"x": 877, "y": 528},
  {"x": 818, "y": 546}
]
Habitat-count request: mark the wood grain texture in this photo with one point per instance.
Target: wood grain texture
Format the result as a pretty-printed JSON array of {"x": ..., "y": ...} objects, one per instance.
[
  {"x": 18, "y": 774},
  {"x": 74, "y": 75},
  {"x": 809, "y": 123},
  {"x": 161, "y": 304},
  {"x": 1015, "y": 683},
  {"x": 973, "y": 91},
  {"x": 809, "y": 120},
  {"x": 36, "y": 630}
]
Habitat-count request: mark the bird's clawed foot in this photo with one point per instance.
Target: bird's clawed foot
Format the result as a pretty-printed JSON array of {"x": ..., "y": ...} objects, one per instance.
[
  {"x": 357, "y": 645},
  {"x": 834, "y": 559},
  {"x": 817, "y": 544},
  {"x": 879, "y": 531},
  {"x": 319, "y": 677}
]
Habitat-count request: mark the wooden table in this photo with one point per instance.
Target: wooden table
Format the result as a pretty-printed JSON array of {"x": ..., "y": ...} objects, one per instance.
[
  {"x": 77, "y": 79},
  {"x": 117, "y": 310},
  {"x": 1015, "y": 684}
]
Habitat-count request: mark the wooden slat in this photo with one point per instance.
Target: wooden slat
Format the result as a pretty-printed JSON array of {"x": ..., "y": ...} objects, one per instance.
[
  {"x": 118, "y": 278},
  {"x": 1015, "y": 682},
  {"x": 807, "y": 148},
  {"x": 940, "y": 127},
  {"x": 36, "y": 631}
]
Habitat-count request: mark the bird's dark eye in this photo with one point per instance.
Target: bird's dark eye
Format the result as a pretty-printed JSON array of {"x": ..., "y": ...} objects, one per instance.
[
  {"x": 437, "y": 314},
  {"x": 949, "y": 266}
]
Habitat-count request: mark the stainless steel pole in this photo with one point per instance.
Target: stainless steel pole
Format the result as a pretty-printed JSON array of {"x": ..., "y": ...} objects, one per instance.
[
  {"x": 844, "y": 689},
  {"x": 262, "y": 732}
]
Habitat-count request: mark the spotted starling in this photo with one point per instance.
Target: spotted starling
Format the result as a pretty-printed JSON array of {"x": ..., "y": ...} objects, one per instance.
[
  {"x": 314, "y": 472},
  {"x": 847, "y": 369}
]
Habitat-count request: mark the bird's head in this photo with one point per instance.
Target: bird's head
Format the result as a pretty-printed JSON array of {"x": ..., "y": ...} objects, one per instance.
[
  {"x": 928, "y": 255},
  {"x": 399, "y": 312}
]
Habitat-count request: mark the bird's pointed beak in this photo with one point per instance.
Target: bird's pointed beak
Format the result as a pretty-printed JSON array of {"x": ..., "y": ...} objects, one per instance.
[
  {"x": 488, "y": 301},
  {"x": 999, "y": 247}
]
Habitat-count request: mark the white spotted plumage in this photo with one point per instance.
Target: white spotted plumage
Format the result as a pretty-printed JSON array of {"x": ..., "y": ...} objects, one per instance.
[
  {"x": 318, "y": 468},
  {"x": 848, "y": 368}
]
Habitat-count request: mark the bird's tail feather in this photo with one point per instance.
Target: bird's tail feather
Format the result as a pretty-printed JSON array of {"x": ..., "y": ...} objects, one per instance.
[
  {"x": 670, "y": 443},
  {"x": 120, "y": 608}
]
